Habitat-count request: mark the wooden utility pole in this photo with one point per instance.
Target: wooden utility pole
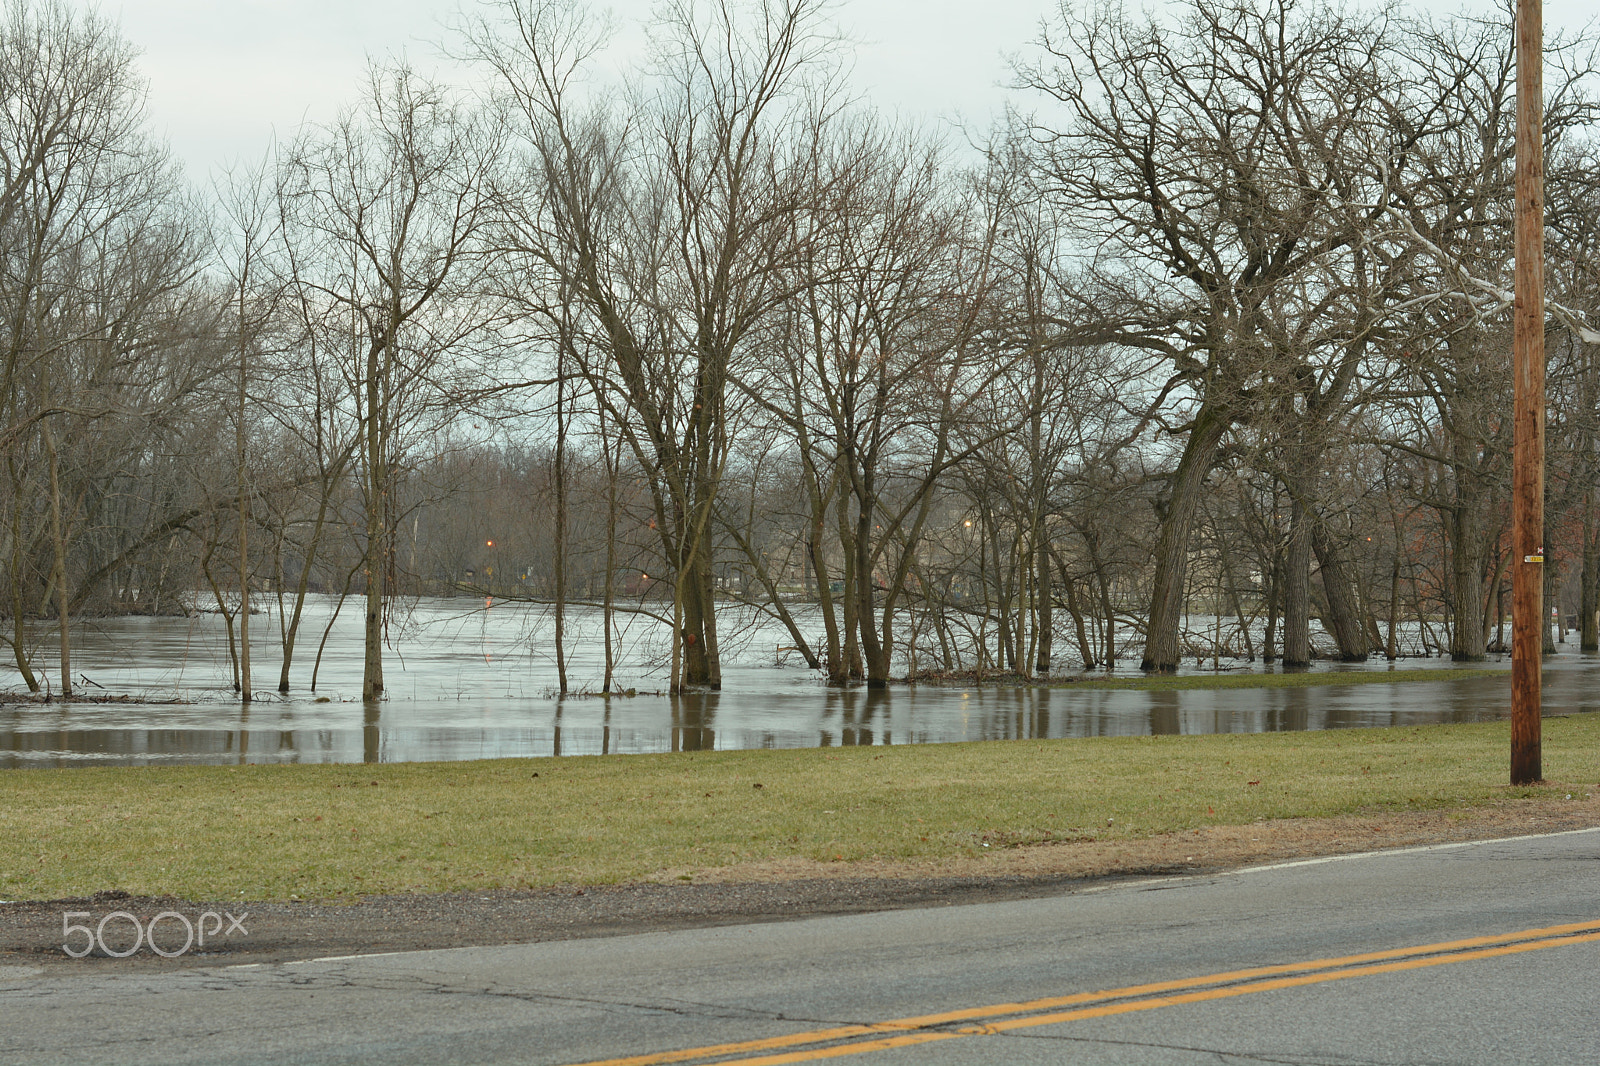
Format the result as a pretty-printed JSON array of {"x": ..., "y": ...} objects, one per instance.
[{"x": 1527, "y": 478}]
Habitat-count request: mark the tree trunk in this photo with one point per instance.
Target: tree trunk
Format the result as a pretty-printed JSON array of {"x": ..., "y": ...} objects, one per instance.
[
  {"x": 819, "y": 498},
  {"x": 1369, "y": 617},
  {"x": 244, "y": 604},
  {"x": 1004, "y": 659},
  {"x": 292, "y": 630},
  {"x": 244, "y": 518},
  {"x": 848, "y": 598},
  {"x": 1344, "y": 619},
  {"x": 873, "y": 649},
  {"x": 1296, "y": 585},
  {"x": 377, "y": 503},
  {"x": 19, "y": 614},
  {"x": 609, "y": 589},
  {"x": 834, "y": 658},
  {"x": 561, "y": 522},
  {"x": 1045, "y": 626},
  {"x": 1084, "y": 647},
  {"x": 1466, "y": 584},
  {"x": 1391, "y": 647},
  {"x": 1025, "y": 635},
  {"x": 1589, "y": 583},
  {"x": 372, "y": 664},
  {"x": 696, "y": 658},
  {"x": 1552, "y": 581},
  {"x": 1161, "y": 651},
  {"x": 1238, "y": 608},
  {"x": 1107, "y": 606},
  {"x": 58, "y": 543},
  {"x": 1269, "y": 639},
  {"x": 708, "y": 620},
  {"x": 1499, "y": 645}
]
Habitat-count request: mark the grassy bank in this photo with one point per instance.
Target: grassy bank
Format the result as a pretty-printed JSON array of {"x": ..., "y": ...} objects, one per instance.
[{"x": 337, "y": 831}]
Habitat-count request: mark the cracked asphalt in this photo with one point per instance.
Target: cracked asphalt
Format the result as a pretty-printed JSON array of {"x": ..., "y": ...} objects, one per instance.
[{"x": 579, "y": 1000}]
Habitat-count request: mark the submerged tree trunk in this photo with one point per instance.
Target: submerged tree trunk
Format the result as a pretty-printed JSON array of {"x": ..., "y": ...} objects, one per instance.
[
  {"x": 849, "y": 600},
  {"x": 1589, "y": 584},
  {"x": 833, "y": 657},
  {"x": 1466, "y": 582},
  {"x": 19, "y": 614},
  {"x": 291, "y": 629},
  {"x": 1344, "y": 620},
  {"x": 1552, "y": 581},
  {"x": 874, "y": 652},
  {"x": 561, "y": 522},
  {"x": 244, "y": 559},
  {"x": 1091, "y": 543},
  {"x": 696, "y": 668},
  {"x": 1296, "y": 588},
  {"x": 1002, "y": 593},
  {"x": 709, "y": 625},
  {"x": 1269, "y": 639},
  {"x": 609, "y": 592},
  {"x": 1085, "y": 649},
  {"x": 377, "y": 508},
  {"x": 819, "y": 496},
  {"x": 1161, "y": 651},
  {"x": 222, "y": 607},
  {"x": 1232, "y": 588},
  {"x": 58, "y": 542}
]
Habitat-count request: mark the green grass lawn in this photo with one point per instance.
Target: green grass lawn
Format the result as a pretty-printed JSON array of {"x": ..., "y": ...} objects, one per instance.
[{"x": 338, "y": 831}]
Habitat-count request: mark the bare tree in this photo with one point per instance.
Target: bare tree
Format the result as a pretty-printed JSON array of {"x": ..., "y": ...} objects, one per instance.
[
  {"x": 95, "y": 244},
  {"x": 386, "y": 210},
  {"x": 885, "y": 365},
  {"x": 666, "y": 225},
  {"x": 1202, "y": 164}
]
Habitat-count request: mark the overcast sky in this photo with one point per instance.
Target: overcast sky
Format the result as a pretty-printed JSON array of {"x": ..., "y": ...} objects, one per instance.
[{"x": 225, "y": 74}]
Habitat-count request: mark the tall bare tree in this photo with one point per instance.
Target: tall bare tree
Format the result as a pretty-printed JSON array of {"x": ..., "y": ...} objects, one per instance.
[
  {"x": 386, "y": 211},
  {"x": 1201, "y": 161},
  {"x": 666, "y": 223},
  {"x": 94, "y": 241}
]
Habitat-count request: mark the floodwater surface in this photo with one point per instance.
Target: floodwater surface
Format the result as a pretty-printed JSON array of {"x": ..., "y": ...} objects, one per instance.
[{"x": 465, "y": 682}]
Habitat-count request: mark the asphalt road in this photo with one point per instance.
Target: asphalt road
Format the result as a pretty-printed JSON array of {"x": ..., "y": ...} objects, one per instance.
[{"x": 1477, "y": 953}]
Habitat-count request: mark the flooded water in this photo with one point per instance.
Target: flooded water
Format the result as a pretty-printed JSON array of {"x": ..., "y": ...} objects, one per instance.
[{"x": 467, "y": 683}]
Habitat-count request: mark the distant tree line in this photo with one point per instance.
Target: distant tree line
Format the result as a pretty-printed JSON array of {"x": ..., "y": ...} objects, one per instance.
[{"x": 1208, "y": 340}]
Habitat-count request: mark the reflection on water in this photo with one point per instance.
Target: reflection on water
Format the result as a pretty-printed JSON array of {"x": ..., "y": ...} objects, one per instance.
[{"x": 469, "y": 684}]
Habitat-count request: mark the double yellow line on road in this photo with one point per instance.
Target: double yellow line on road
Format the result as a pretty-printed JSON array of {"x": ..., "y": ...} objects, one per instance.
[{"x": 1004, "y": 1017}]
